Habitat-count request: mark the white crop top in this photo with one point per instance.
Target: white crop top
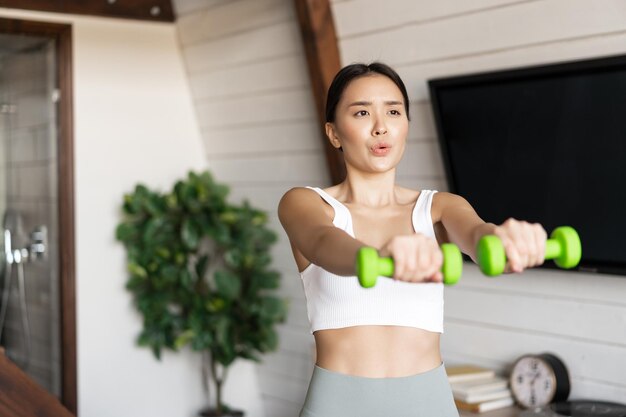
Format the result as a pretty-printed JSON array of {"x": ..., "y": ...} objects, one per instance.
[{"x": 335, "y": 301}]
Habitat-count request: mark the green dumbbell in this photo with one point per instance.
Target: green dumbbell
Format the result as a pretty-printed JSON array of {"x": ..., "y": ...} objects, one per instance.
[
  {"x": 369, "y": 266},
  {"x": 563, "y": 246}
]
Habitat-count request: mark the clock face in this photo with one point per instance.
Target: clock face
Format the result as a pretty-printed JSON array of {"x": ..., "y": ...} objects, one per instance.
[{"x": 533, "y": 382}]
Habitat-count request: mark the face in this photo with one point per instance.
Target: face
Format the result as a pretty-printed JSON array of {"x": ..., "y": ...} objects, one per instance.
[
  {"x": 370, "y": 124},
  {"x": 532, "y": 382}
]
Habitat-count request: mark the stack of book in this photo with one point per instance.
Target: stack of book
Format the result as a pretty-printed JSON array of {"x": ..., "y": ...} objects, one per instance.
[{"x": 478, "y": 389}]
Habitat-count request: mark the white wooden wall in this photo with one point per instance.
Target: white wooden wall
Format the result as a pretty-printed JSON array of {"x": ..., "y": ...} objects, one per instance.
[
  {"x": 580, "y": 317},
  {"x": 249, "y": 80}
]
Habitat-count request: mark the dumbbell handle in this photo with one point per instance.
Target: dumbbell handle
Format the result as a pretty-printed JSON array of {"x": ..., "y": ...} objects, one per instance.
[
  {"x": 553, "y": 249},
  {"x": 386, "y": 266}
]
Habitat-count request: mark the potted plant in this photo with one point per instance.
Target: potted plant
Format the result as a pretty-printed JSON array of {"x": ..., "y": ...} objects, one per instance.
[{"x": 199, "y": 274}]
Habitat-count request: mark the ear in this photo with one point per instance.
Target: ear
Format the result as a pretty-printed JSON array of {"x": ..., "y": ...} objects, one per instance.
[{"x": 331, "y": 133}]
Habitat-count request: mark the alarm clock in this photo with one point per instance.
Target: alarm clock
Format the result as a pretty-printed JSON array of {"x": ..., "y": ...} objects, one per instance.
[{"x": 538, "y": 380}]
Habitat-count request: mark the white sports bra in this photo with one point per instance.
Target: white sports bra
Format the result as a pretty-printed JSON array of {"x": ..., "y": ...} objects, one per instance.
[{"x": 335, "y": 301}]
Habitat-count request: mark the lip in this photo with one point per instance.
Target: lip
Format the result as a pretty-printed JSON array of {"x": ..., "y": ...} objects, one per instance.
[{"x": 380, "y": 148}]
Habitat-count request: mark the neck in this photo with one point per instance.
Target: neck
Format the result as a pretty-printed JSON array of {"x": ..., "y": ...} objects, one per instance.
[{"x": 373, "y": 190}]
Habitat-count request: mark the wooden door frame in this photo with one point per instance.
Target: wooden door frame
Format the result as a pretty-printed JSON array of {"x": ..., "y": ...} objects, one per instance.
[
  {"x": 149, "y": 10},
  {"x": 62, "y": 34}
]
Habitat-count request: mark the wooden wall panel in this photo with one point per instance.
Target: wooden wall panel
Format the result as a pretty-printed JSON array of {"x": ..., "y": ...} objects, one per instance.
[
  {"x": 580, "y": 356},
  {"x": 253, "y": 109},
  {"x": 299, "y": 168},
  {"x": 247, "y": 47},
  {"x": 523, "y": 24},
  {"x": 230, "y": 19},
  {"x": 185, "y": 7},
  {"x": 355, "y": 16},
  {"x": 282, "y": 73},
  {"x": 262, "y": 138}
]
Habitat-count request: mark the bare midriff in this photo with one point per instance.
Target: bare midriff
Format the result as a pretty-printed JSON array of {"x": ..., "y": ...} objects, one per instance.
[{"x": 377, "y": 351}]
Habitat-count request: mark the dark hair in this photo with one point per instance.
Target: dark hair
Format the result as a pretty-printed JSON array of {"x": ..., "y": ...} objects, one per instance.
[{"x": 353, "y": 71}]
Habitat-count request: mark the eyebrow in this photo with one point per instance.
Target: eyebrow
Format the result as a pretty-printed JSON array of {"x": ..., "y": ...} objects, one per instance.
[{"x": 369, "y": 103}]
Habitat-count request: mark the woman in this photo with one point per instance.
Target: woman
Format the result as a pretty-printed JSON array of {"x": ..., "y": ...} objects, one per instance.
[{"x": 378, "y": 349}]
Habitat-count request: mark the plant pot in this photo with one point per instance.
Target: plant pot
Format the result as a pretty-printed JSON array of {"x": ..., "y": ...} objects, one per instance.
[{"x": 211, "y": 412}]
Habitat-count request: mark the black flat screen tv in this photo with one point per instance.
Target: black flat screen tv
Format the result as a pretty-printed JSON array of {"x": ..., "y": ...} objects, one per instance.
[{"x": 544, "y": 144}]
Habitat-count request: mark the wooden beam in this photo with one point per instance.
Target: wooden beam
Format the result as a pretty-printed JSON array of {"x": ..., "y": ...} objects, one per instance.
[
  {"x": 20, "y": 396},
  {"x": 154, "y": 10},
  {"x": 322, "y": 53}
]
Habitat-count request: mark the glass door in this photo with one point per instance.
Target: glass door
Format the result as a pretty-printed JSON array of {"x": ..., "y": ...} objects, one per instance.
[{"x": 29, "y": 250}]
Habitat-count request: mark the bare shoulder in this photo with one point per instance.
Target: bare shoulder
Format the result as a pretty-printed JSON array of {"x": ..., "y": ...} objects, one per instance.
[
  {"x": 444, "y": 197},
  {"x": 296, "y": 193},
  {"x": 299, "y": 201},
  {"x": 444, "y": 200},
  {"x": 295, "y": 197}
]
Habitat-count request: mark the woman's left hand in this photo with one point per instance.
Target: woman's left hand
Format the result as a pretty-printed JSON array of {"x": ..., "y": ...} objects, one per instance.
[{"x": 524, "y": 244}]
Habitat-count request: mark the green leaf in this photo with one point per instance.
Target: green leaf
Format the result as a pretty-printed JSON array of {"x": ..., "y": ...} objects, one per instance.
[
  {"x": 270, "y": 341},
  {"x": 202, "y": 265},
  {"x": 229, "y": 217},
  {"x": 203, "y": 341},
  {"x": 170, "y": 273},
  {"x": 228, "y": 284},
  {"x": 259, "y": 219},
  {"x": 220, "y": 233},
  {"x": 163, "y": 252},
  {"x": 215, "y": 305},
  {"x": 186, "y": 279},
  {"x": 189, "y": 198},
  {"x": 248, "y": 260},
  {"x": 273, "y": 308},
  {"x": 184, "y": 338},
  {"x": 156, "y": 350},
  {"x": 180, "y": 258},
  {"x": 126, "y": 232},
  {"x": 233, "y": 258},
  {"x": 269, "y": 280},
  {"x": 190, "y": 234},
  {"x": 152, "y": 230},
  {"x": 154, "y": 205},
  {"x": 250, "y": 355},
  {"x": 137, "y": 270},
  {"x": 132, "y": 204},
  {"x": 171, "y": 201},
  {"x": 222, "y": 325}
]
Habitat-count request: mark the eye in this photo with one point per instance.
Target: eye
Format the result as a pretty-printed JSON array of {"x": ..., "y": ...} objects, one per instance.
[
  {"x": 395, "y": 112},
  {"x": 361, "y": 113}
]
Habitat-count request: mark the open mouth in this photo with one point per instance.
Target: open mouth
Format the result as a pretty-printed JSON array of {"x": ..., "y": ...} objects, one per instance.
[{"x": 381, "y": 148}]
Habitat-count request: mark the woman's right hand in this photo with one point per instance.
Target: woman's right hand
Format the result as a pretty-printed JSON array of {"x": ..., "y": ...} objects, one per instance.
[{"x": 416, "y": 258}]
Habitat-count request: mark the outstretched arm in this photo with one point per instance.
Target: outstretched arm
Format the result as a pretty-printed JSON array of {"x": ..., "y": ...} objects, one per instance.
[
  {"x": 311, "y": 231},
  {"x": 524, "y": 242}
]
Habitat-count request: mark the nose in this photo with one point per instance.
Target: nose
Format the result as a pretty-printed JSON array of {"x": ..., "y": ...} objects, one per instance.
[{"x": 379, "y": 129}]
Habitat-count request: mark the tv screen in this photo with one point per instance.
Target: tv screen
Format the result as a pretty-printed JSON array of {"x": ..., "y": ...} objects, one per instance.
[{"x": 545, "y": 144}]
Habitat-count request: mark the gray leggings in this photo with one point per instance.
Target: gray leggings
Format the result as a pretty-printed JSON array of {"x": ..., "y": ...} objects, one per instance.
[{"x": 332, "y": 394}]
